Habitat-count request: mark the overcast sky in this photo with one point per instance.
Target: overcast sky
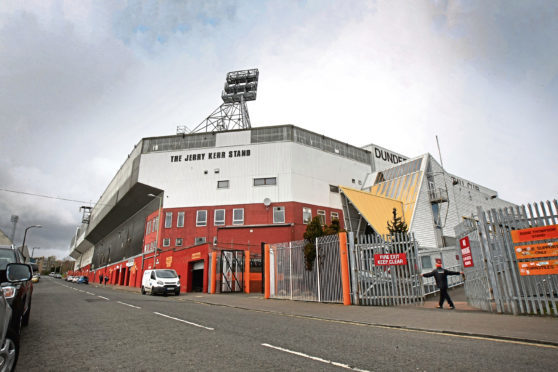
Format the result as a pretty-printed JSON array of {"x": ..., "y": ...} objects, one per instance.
[{"x": 81, "y": 82}]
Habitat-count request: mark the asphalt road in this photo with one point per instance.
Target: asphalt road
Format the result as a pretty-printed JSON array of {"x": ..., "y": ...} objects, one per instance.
[{"x": 80, "y": 327}]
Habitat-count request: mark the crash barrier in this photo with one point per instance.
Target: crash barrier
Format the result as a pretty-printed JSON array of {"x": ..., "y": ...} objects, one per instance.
[
  {"x": 510, "y": 259},
  {"x": 289, "y": 276},
  {"x": 385, "y": 270}
]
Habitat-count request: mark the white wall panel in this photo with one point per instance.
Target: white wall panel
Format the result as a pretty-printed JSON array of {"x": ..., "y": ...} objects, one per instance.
[{"x": 303, "y": 174}]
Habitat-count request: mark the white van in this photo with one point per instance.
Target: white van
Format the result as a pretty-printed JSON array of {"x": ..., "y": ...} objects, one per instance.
[{"x": 160, "y": 281}]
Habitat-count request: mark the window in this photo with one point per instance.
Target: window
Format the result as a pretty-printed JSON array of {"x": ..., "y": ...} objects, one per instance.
[
  {"x": 168, "y": 220},
  {"x": 322, "y": 216},
  {"x": 278, "y": 214},
  {"x": 238, "y": 216},
  {"x": 155, "y": 225},
  {"x": 334, "y": 188},
  {"x": 200, "y": 240},
  {"x": 306, "y": 215},
  {"x": 180, "y": 219},
  {"x": 166, "y": 242},
  {"x": 334, "y": 216},
  {"x": 148, "y": 230},
  {"x": 426, "y": 262},
  {"x": 223, "y": 184},
  {"x": 265, "y": 181},
  {"x": 178, "y": 242},
  {"x": 219, "y": 217},
  {"x": 201, "y": 218}
]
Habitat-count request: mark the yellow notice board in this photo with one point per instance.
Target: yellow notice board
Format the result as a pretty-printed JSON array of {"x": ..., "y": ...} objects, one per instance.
[
  {"x": 535, "y": 234},
  {"x": 523, "y": 252}
]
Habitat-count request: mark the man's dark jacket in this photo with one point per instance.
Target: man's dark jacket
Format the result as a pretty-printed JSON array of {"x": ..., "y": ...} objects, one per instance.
[{"x": 441, "y": 276}]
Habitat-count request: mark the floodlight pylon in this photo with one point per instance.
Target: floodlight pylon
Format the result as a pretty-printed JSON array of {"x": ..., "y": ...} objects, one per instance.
[{"x": 240, "y": 86}]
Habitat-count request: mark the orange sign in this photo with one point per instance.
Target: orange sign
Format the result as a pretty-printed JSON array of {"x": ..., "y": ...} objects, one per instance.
[
  {"x": 523, "y": 252},
  {"x": 535, "y": 233},
  {"x": 196, "y": 255},
  {"x": 538, "y": 268},
  {"x": 169, "y": 261}
]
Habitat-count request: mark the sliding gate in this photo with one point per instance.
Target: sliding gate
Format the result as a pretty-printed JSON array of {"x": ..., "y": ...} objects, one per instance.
[
  {"x": 386, "y": 270},
  {"x": 232, "y": 271}
]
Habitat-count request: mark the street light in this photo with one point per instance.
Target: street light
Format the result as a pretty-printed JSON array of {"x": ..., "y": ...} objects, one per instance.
[
  {"x": 25, "y": 234},
  {"x": 158, "y": 227}
]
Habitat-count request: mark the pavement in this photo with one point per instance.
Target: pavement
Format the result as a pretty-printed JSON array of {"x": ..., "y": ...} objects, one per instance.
[{"x": 463, "y": 321}]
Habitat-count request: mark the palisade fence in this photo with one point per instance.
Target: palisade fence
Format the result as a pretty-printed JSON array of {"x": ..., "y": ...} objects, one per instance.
[
  {"x": 385, "y": 285},
  {"x": 495, "y": 281},
  {"x": 289, "y": 278}
]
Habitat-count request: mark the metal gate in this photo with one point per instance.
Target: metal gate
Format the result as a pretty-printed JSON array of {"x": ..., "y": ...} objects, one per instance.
[
  {"x": 376, "y": 282},
  {"x": 497, "y": 279},
  {"x": 290, "y": 279},
  {"x": 232, "y": 271}
]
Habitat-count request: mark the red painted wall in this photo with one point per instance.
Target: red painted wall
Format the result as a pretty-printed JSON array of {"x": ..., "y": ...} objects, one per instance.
[{"x": 249, "y": 237}]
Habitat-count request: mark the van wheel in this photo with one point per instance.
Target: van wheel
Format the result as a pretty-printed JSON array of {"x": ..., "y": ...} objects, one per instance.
[
  {"x": 142, "y": 290},
  {"x": 177, "y": 293}
]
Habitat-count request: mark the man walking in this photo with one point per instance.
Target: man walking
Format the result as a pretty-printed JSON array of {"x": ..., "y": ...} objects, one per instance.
[
  {"x": 106, "y": 280},
  {"x": 441, "y": 276}
]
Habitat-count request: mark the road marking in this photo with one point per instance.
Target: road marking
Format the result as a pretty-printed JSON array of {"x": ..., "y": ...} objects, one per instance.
[
  {"x": 104, "y": 298},
  {"x": 185, "y": 321},
  {"x": 123, "y": 303},
  {"x": 318, "y": 359},
  {"x": 89, "y": 293}
]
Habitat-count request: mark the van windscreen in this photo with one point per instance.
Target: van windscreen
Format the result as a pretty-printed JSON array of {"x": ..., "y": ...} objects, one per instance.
[{"x": 166, "y": 274}]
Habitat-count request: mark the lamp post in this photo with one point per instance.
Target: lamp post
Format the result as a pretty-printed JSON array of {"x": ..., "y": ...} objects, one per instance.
[
  {"x": 33, "y": 251},
  {"x": 25, "y": 234},
  {"x": 158, "y": 228}
]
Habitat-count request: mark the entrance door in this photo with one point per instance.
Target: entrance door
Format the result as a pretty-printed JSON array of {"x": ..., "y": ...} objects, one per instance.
[
  {"x": 197, "y": 276},
  {"x": 232, "y": 271}
]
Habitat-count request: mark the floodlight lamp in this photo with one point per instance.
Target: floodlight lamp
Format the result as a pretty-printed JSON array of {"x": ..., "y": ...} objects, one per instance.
[{"x": 241, "y": 86}]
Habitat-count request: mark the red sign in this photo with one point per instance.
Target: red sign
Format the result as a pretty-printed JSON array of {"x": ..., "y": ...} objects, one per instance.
[
  {"x": 390, "y": 259},
  {"x": 535, "y": 233},
  {"x": 466, "y": 252}
]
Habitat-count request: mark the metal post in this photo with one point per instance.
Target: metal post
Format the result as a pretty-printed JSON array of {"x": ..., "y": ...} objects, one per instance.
[
  {"x": 291, "y": 268},
  {"x": 318, "y": 270},
  {"x": 352, "y": 254}
]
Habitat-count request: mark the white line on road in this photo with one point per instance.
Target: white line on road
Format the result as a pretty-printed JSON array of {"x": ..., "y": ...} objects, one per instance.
[
  {"x": 123, "y": 303},
  {"x": 184, "y": 321},
  {"x": 346, "y": 366},
  {"x": 104, "y": 298},
  {"x": 92, "y": 294}
]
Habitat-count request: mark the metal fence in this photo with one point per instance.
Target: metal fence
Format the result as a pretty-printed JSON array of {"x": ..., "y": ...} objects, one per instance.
[
  {"x": 289, "y": 278},
  {"x": 385, "y": 285},
  {"x": 494, "y": 282}
]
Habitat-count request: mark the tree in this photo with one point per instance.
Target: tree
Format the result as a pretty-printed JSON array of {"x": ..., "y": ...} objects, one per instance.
[
  {"x": 313, "y": 230},
  {"x": 397, "y": 225}
]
